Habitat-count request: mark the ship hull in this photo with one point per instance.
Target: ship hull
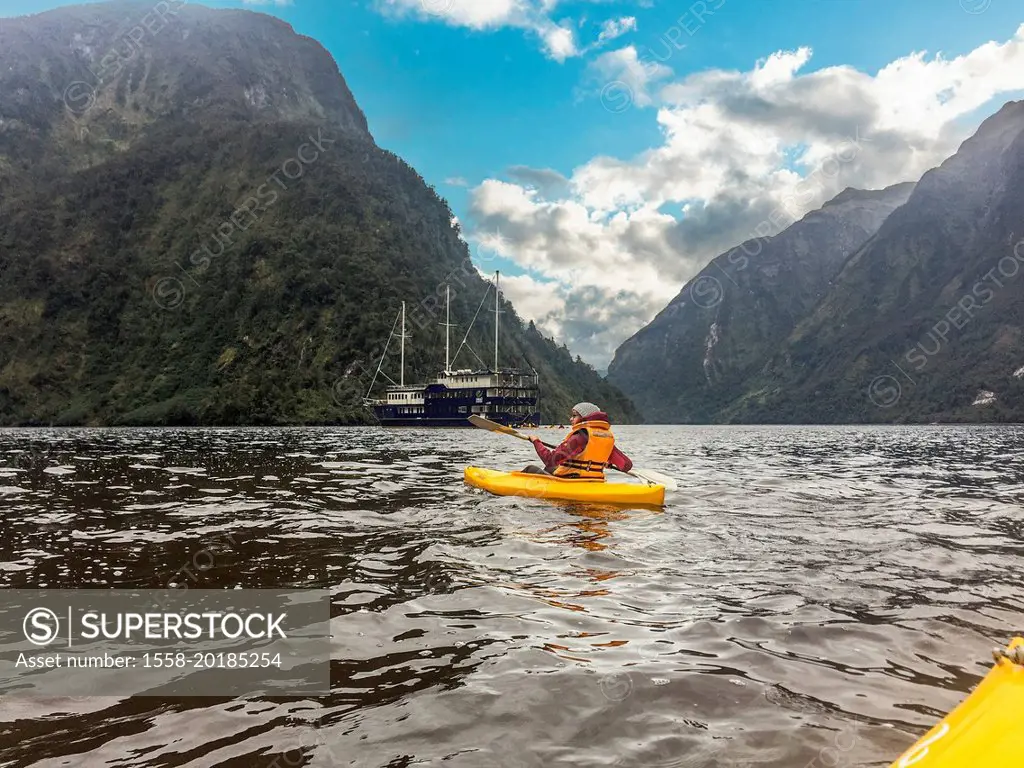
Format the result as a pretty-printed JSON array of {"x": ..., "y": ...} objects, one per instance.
[
  {"x": 507, "y": 397},
  {"x": 507, "y": 420}
]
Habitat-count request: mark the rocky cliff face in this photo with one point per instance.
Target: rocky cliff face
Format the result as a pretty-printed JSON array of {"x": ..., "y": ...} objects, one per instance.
[
  {"x": 926, "y": 321},
  {"x": 696, "y": 357},
  {"x": 196, "y": 227},
  {"x": 83, "y": 83},
  {"x": 833, "y": 321}
]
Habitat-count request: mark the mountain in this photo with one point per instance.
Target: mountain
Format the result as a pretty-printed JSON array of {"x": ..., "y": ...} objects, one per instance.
[
  {"x": 696, "y": 357},
  {"x": 903, "y": 305},
  {"x": 925, "y": 322},
  {"x": 197, "y": 227}
]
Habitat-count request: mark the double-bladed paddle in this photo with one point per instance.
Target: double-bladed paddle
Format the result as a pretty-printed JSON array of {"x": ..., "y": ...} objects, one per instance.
[{"x": 648, "y": 475}]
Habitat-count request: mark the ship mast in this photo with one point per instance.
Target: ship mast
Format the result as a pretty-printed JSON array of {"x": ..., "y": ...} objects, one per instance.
[
  {"x": 402, "y": 375},
  {"x": 497, "y": 296},
  {"x": 447, "y": 327}
]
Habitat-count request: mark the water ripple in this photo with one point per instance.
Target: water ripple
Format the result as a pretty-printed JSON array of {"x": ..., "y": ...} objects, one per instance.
[{"x": 810, "y": 594}]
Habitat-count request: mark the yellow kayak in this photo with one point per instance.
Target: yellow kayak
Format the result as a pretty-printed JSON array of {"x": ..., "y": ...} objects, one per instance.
[
  {"x": 986, "y": 730},
  {"x": 548, "y": 487}
]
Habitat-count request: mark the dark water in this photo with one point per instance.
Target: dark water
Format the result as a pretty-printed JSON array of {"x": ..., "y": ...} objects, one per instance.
[{"x": 812, "y": 597}]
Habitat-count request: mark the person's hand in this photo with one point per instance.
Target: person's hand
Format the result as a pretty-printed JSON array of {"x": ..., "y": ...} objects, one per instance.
[{"x": 533, "y": 438}]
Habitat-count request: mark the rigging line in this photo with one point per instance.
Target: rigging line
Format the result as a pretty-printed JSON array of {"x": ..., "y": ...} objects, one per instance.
[
  {"x": 476, "y": 356},
  {"x": 382, "y": 355},
  {"x": 470, "y": 328}
]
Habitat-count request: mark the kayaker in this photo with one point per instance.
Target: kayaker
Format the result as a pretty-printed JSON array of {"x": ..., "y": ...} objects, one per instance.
[{"x": 586, "y": 450}]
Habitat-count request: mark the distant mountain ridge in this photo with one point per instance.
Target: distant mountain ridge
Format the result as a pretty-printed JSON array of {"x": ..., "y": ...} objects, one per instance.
[
  {"x": 926, "y": 321},
  {"x": 197, "y": 227},
  {"x": 696, "y": 356},
  {"x": 921, "y": 320}
]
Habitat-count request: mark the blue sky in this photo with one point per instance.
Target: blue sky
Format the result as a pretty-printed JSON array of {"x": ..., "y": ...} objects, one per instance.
[{"x": 464, "y": 91}]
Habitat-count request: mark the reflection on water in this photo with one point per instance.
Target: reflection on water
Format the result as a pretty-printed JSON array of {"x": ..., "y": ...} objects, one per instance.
[{"x": 810, "y": 594}]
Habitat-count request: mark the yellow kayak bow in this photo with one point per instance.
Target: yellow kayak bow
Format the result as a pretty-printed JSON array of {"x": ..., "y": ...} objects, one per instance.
[{"x": 987, "y": 729}]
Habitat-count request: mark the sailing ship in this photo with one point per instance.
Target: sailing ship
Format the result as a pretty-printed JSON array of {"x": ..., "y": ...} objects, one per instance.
[{"x": 508, "y": 396}]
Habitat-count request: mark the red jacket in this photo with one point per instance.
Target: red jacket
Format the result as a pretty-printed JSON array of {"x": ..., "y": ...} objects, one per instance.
[{"x": 574, "y": 444}]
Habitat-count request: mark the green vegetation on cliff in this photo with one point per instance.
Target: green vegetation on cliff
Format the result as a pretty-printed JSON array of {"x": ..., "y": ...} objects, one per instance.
[{"x": 211, "y": 236}]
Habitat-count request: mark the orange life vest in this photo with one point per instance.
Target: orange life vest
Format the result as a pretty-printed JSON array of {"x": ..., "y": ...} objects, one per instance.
[{"x": 594, "y": 458}]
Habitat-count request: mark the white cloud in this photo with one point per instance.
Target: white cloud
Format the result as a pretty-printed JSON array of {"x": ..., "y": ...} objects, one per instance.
[
  {"x": 778, "y": 69},
  {"x": 624, "y": 68},
  {"x": 605, "y": 255},
  {"x": 456, "y": 181},
  {"x": 539, "y": 301},
  {"x": 475, "y": 14},
  {"x": 559, "y": 41},
  {"x": 267, "y": 2},
  {"x": 557, "y": 37},
  {"x": 614, "y": 28}
]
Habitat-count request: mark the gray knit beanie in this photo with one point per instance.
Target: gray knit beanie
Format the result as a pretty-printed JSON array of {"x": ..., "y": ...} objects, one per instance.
[{"x": 585, "y": 409}]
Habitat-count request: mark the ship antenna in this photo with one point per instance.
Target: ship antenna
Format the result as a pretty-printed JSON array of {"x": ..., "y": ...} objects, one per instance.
[{"x": 497, "y": 313}]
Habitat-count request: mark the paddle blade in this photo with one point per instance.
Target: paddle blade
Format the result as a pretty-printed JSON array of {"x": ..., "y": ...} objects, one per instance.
[
  {"x": 657, "y": 478},
  {"x": 493, "y": 426}
]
